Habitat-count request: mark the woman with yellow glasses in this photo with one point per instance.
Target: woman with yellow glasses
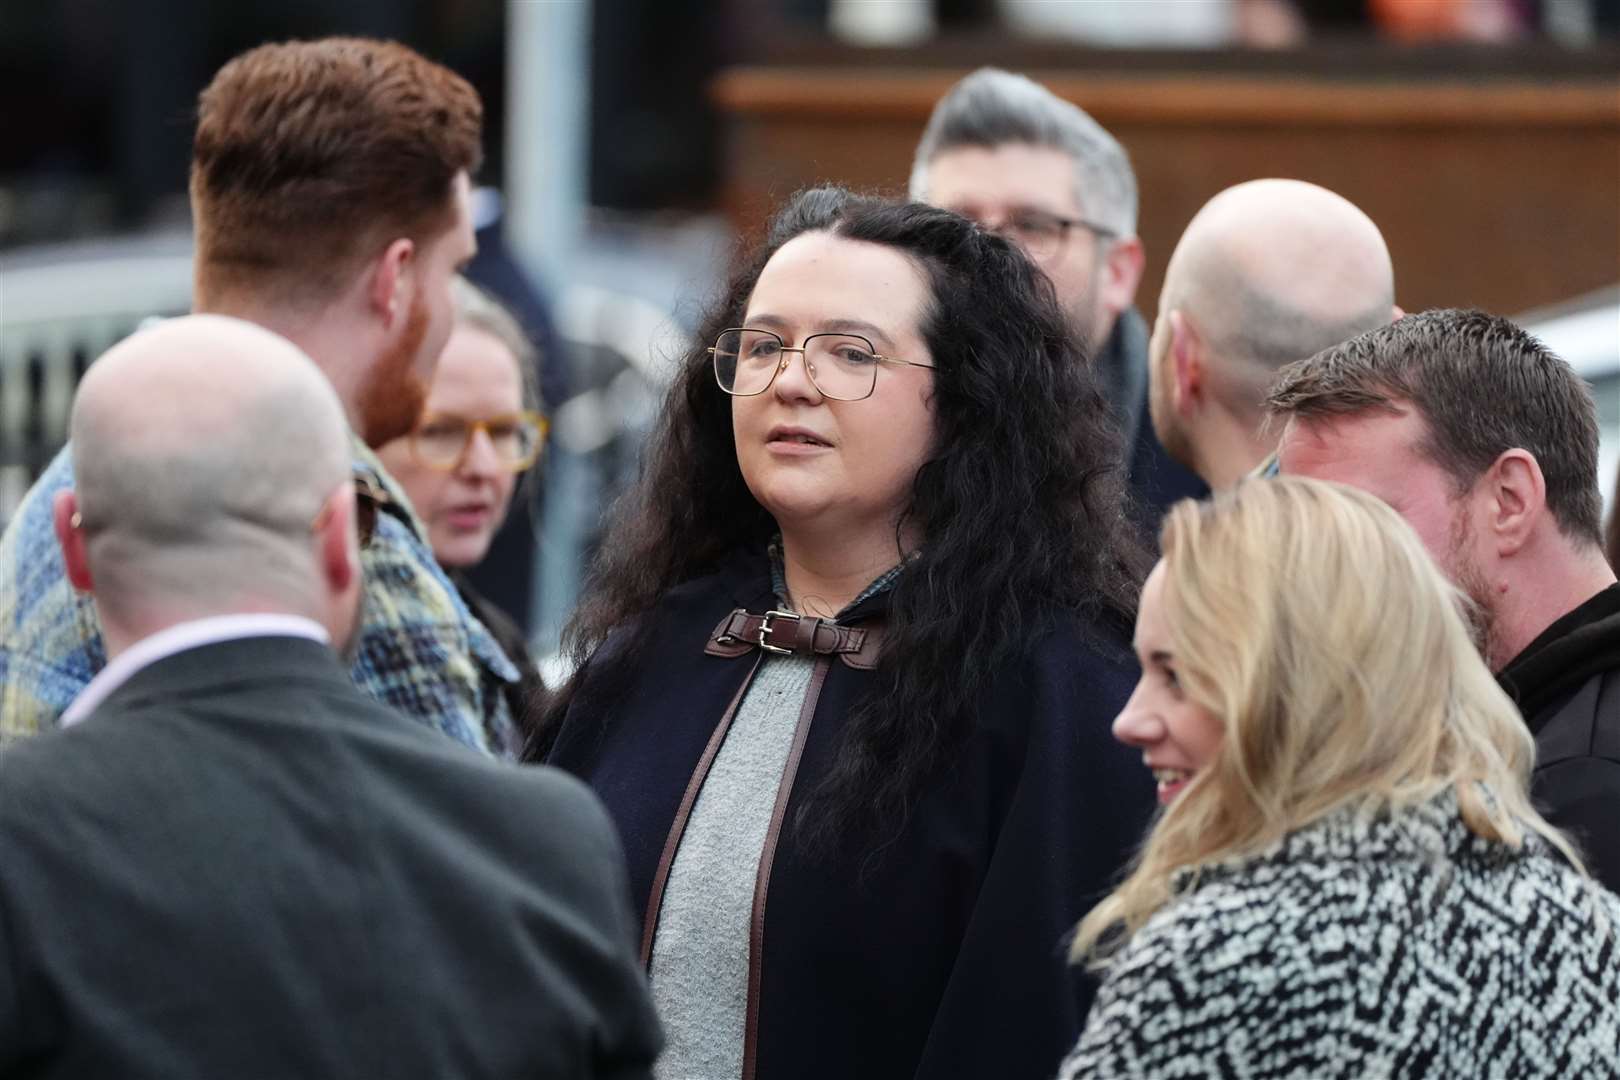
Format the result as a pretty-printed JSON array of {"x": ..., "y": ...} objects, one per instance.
[{"x": 480, "y": 431}]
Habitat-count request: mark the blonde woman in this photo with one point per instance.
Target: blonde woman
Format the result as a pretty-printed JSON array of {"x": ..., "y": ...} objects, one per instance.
[
  {"x": 1347, "y": 877},
  {"x": 481, "y": 429}
]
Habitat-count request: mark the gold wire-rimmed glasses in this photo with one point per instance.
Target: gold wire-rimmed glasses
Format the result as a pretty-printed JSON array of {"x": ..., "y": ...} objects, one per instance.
[
  {"x": 842, "y": 367},
  {"x": 441, "y": 440}
]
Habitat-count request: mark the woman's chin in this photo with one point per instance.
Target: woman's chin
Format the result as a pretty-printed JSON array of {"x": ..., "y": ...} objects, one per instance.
[
  {"x": 461, "y": 551},
  {"x": 792, "y": 505}
]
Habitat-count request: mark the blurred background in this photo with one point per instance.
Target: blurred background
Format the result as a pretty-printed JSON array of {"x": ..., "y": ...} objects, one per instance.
[{"x": 630, "y": 144}]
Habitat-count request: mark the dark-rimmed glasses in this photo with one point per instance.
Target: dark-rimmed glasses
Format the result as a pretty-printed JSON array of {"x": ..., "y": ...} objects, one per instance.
[
  {"x": 842, "y": 367},
  {"x": 369, "y": 499},
  {"x": 1043, "y": 235},
  {"x": 441, "y": 440}
]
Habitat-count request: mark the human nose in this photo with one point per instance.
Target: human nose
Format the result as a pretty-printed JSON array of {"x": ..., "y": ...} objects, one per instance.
[
  {"x": 479, "y": 458},
  {"x": 1138, "y": 724},
  {"x": 795, "y": 380}
]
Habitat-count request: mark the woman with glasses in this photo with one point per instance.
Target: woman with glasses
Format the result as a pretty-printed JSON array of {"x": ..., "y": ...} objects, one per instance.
[
  {"x": 1348, "y": 879},
  {"x": 480, "y": 431},
  {"x": 849, "y": 658}
]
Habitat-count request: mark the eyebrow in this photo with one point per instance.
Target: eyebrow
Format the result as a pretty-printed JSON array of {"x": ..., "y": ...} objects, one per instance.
[
  {"x": 1161, "y": 656},
  {"x": 833, "y": 326}
]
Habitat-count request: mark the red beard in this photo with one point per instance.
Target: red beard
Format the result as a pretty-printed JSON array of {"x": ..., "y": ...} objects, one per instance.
[{"x": 391, "y": 397}]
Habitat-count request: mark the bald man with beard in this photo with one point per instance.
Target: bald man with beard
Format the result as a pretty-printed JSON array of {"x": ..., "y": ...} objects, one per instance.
[
  {"x": 230, "y": 861},
  {"x": 1267, "y": 273}
]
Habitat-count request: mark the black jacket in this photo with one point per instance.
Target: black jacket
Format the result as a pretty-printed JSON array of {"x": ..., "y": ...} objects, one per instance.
[
  {"x": 240, "y": 866},
  {"x": 1567, "y": 684},
  {"x": 1157, "y": 481},
  {"x": 942, "y": 955}
]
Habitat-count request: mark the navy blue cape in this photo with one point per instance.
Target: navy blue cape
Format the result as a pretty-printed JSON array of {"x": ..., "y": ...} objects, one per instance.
[{"x": 944, "y": 954}]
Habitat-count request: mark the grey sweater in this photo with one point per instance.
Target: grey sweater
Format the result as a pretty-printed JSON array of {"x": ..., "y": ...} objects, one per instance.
[
  {"x": 700, "y": 954},
  {"x": 699, "y": 965}
]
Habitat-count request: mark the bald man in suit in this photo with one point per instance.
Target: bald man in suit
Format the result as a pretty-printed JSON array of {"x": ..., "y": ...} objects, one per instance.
[{"x": 231, "y": 862}]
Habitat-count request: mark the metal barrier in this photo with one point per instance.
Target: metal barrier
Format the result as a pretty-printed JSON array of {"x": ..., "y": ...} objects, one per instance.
[{"x": 59, "y": 310}]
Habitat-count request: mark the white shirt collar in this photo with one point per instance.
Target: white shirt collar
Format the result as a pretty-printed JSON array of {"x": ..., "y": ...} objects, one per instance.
[{"x": 179, "y": 638}]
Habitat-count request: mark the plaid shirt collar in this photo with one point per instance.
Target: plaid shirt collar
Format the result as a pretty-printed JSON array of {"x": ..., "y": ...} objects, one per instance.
[{"x": 880, "y": 584}]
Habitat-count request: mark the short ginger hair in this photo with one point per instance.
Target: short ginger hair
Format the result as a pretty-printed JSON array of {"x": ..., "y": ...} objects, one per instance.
[{"x": 310, "y": 156}]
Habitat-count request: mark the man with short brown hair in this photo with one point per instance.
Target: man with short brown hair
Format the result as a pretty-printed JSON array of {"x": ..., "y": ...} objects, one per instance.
[
  {"x": 1486, "y": 443},
  {"x": 330, "y": 187}
]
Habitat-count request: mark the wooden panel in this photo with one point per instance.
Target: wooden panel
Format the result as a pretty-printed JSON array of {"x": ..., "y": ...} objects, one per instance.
[{"x": 1500, "y": 193}]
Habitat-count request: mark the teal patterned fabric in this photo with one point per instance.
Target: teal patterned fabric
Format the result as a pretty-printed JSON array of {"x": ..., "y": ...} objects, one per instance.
[{"x": 421, "y": 651}]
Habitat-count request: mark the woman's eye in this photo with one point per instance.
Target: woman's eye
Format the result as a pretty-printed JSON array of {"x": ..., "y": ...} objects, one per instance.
[
  {"x": 856, "y": 357},
  {"x": 441, "y": 430}
]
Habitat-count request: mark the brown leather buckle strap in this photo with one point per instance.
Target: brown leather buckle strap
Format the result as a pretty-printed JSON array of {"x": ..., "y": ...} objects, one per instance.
[
  {"x": 677, "y": 828},
  {"x": 767, "y": 860},
  {"x": 788, "y": 632}
]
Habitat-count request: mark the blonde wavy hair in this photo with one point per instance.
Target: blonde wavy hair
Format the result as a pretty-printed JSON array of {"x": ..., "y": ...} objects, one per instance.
[{"x": 1308, "y": 617}]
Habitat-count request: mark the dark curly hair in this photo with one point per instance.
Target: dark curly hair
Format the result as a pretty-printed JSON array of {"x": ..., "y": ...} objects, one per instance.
[{"x": 1021, "y": 506}]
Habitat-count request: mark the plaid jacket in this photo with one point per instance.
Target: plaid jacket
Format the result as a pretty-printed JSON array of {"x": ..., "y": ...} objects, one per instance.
[{"x": 421, "y": 651}]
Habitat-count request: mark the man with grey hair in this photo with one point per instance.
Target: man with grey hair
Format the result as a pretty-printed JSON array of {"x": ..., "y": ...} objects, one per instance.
[
  {"x": 229, "y": 860},
  {"x": 1008, "y": 153},
  {"x": 1268, "y": 272}
]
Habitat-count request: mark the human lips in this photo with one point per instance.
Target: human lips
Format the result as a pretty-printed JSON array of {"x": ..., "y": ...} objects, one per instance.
[
  {"x": 1170, "y": 781},
  {"x": 469, "y": 515},
  {"x": 792, "y": 439}
]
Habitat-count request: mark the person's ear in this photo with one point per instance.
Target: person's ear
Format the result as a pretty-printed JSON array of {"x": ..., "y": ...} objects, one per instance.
[
  {"x": 388, "y": 290},
  {"x": 1186, "y": 364},
  {"x": 70, "y": 537},
  {"x": 337, "y": 548},
  {"x": 1121, "y": 273},
  {"x": 1516, "y": 498}
]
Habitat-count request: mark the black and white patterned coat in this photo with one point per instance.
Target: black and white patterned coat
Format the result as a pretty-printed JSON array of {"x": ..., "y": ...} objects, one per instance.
[{"x": 1399, "y": 947}]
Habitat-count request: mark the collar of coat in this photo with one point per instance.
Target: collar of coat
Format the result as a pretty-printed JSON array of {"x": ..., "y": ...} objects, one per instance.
[{"x": 1431, "y": 831}]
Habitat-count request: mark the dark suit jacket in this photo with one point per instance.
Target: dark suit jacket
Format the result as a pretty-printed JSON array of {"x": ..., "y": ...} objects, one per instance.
[
  {"x": 1157, "y": 481},
  {"x": 240, "y": 867}
]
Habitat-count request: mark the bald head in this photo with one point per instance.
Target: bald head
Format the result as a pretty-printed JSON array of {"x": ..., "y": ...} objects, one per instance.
[
  {"x": 1273, "y": 271},
  {"x": 202, "y": 450}
]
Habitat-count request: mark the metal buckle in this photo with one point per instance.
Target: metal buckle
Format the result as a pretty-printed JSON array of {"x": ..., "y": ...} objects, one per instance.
[{"x": 765, "y": 628}]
